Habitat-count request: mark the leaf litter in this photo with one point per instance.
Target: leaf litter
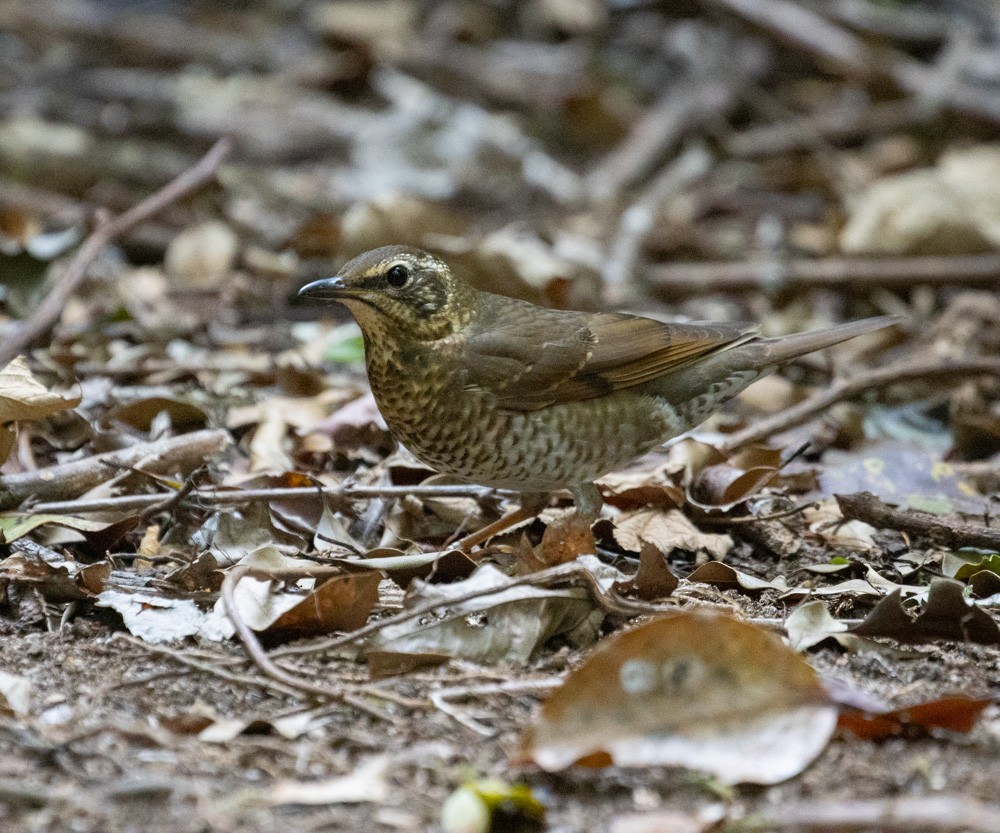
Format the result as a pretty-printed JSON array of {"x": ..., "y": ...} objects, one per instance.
[{"x": 183, "y": 421}]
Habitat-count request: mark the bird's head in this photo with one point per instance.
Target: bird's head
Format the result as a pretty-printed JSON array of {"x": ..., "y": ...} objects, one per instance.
[{"x": 404, "y": 290}]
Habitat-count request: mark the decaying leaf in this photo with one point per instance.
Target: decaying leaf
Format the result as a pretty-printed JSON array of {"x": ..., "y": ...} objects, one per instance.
[
  {"x": 566, "y": 537},
  {"x": 23, "y": 397},
  {"x": 696, "y": 690},
  {"x": 57, "y": 578},
  {"x": 509, "y": 625},
  {"x": 653, "y": 580},
  {"x": 15, "y": 694},
  {"x": 156, "y": 617},
  {"x": 946, "y": 615},
  {"x": 667, "y": 530},
  {"x": 955, "y": 713}
]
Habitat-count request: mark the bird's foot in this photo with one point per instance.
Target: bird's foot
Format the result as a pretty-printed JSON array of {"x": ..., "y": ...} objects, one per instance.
[{"x": 530, "y": 507}]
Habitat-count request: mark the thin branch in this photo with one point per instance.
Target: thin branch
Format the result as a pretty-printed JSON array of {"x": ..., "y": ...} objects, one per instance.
[
  {"x": 47, "y": 314},
  {"x": 233, "y": 497},
  {"x": 868, "y": 508},
  {"x": 677, "y": 279},
  {"x": 68, "y": 480},
  {"x": 609, "y": 602},
  {"x": 954, "y": 371}
]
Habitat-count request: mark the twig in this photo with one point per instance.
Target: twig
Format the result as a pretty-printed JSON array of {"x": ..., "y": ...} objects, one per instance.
[
  {"x": 231, "y": 497},
  {"x": 209, "y": 668},
  {"x": 62, "y": 482},
  {"x": 820, "y": 36},
  {"x": 679, "y": 112},
  {"x": 839, "y": 122},
  {"x": 931, "y": 813},
  {"x": 256, "y": 650},
  {"x": 677, "y": 279},
  {"x": 864, "y": 506},
  {"x": 610, "y": 603},
  {"x": 846, "y": 388},
  {"x": 441, "y": 697},
  {"x": 637, "y": 220},
  {"x": 47, "y": 314}
]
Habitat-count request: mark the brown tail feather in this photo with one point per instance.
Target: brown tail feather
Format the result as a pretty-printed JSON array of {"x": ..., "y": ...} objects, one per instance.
[{"x": 785, "y": 348}]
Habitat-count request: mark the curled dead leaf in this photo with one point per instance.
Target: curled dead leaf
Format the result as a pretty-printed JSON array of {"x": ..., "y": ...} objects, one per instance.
[{"x": 696, "y": 690}]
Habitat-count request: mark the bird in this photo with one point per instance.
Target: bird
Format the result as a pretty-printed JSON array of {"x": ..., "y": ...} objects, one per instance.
[{"x": 507, "y": 394}]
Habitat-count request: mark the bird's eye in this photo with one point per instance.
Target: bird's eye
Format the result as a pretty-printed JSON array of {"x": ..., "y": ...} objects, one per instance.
[{"x": 397, "y": 276}]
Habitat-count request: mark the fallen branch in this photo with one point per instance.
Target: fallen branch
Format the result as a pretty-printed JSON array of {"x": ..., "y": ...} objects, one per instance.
[
  {"x": 954, "y": 371},
  {"x": 811, "y": 31},
  {"x": 678, "y": 279},
  {"x": 177, "y": 455},
  {"x": 44, "y": 318},
  {"x": 864, "y": 506},
  {"x": 610, "y": 603},
  {"x": 213, "y": 497}
]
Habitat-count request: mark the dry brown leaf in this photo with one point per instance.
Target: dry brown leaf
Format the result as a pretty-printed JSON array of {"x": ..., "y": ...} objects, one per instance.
[
  {"x": 946, "y": 615},
  {"x": 653, "y": 580},
  {"x": 338, "y": 604},
  {"x": 23, "y": 397},
  {"x": 667, "y": 530},
  {"x": 956, "y": 713},
  {"x": 697, "y": 690}
]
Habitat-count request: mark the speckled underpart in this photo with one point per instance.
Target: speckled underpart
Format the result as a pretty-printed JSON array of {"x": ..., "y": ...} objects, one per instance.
[{"x": 463, "y": 432}]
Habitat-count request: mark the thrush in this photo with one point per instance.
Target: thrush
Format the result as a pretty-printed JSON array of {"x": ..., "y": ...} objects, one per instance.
[{"x": 511, "y": 395}]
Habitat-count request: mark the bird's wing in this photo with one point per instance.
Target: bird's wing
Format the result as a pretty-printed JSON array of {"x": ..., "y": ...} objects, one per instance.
[{"x": 530, "y": 358}]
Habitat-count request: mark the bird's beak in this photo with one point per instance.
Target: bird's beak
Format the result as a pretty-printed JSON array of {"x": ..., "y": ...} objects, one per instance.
[{"x": 327, "y": 289}]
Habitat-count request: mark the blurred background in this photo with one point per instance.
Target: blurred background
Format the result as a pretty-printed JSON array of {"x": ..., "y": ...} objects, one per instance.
[
  {"x": 592, "y": 147},
  {"x": 789, "y": 162}
]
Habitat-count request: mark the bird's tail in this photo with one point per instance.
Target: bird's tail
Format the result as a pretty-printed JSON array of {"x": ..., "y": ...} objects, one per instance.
[{"x": 777, "y": 351}]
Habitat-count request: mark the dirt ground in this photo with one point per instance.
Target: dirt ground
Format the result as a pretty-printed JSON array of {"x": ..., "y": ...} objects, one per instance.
[
  {"x": 172, "y": 414},
  {"x": 96, "y": 755}
]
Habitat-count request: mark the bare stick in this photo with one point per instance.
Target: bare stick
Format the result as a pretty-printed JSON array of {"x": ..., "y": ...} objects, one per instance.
[
  {"x": 868, "y": 508},
  {"x": 175, "y": 455},
  {"x": 609, "y": 602},
  {"x": 677, "y": 279},
  {"x": 45, "y": 317},
  {"x": 824, "y": 38},
  {"x": 230, "y": 497},
  {"x": 846, "y": 388}
]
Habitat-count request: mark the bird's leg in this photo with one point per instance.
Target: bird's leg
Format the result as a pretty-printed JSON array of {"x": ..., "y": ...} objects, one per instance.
[
  {"x": 588, "y": 501},
  {"x": 531, "y": 505}
]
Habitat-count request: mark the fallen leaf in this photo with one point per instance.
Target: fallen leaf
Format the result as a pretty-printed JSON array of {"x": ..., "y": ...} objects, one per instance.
[
  {"x": 946, "y": 616},
  {"x": 697, "y": 690},
  {"x": 722, "y": 575},
  {"x": 365, "y": 783},
  {"x": 15, "y": 694},
  {"x": 158, "y": 618},
  {"x": 341, "y": 603},
  {"x": 955, "y": 713},
  {"x": 508, "y": 625},
  {"x": 653, "y": 579},
  {"x": 726, "y": 484},
  {"x": 667, "y": 530},
  {"x": 23, "y": 397},
  {"x": 15, "y": 525}
]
